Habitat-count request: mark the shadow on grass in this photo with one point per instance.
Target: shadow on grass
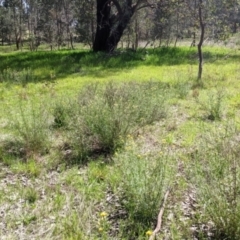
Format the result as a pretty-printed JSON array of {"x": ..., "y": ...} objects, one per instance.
[{"x": 46, "y": 66}]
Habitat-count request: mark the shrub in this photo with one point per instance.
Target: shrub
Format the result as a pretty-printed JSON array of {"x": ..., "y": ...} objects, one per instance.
[
  {"x": 30, "y": 125},
  {"x": 143, "y": 181},
  {"x": 59, "y": 116},
  {"x": 61, "y": 112},
  {"x": 105, "y": 115},
  {"x": 19, "y": 77},
  {"x": 217, "y": 175},
  {"x": 213, "y": 105},
  {"x": 182, "y": 89}
]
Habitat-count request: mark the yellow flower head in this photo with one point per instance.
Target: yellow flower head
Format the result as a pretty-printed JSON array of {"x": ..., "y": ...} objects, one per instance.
[
  {"x": 100, "y": 229},
  {"x": 149, "y": 233},
  {"x": 103, "y": 214}
]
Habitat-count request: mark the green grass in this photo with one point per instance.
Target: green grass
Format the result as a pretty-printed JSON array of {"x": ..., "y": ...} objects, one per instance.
[
  {"x": 219, "y": 179},
  {"x": 89, "y": 144}
]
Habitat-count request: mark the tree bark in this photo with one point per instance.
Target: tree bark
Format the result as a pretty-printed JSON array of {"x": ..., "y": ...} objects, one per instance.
[
  {"x": 110, "y": 26},
  {"x": 202, "y": 29},
  {"x": 136, "y": 34},
  {"x": 103, "y": 26}
]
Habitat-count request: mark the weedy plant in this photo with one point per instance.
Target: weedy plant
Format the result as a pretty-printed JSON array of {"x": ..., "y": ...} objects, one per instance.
[
  {"x": 143, "y": 180},
  {"x": 182, "y": 89},
  {"x": 105, "y": 115},
  {"x": 77, "y": 221},
  {"x": 217, "y": 175},
  {"x": 62, "y": 110},
  {"x": 30, "y": 195},
  {"x": 18, "y": 77},
  {"x": 30, "y": 125},
  {"x": 30, "y": 169},
  {"x": 59, "y": 116},
  {"x": 213, "y": 105}
]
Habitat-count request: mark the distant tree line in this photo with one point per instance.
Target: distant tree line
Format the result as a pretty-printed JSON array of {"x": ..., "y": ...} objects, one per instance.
[{"x": 106, "y": 24}]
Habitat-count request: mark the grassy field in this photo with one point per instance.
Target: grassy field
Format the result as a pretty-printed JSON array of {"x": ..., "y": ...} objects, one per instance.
[{"x": 91, "y": 143}]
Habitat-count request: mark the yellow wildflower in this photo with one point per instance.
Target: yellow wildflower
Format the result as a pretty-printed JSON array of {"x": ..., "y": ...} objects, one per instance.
[
  {"x": 103, "y": 214},
  {"x": 149, "y": 233},
  {"x": 100, "y": 229}
]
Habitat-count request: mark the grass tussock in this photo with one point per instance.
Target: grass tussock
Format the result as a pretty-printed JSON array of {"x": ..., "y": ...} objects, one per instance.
[
  {"x": 30, "y": 126},
  {"x": 105, "y": 115},
  {"x": 21, "y": 77},
  {"x": 143, "y": 179},
  {"x": 212, "y": 106},
  {"x": 217, "y": 169}
]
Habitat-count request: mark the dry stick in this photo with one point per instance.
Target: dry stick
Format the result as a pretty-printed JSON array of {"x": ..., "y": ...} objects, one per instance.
[{"x": 160, "y": 215}]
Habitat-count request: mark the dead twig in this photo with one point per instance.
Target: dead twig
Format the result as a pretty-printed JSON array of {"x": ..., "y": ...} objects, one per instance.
[{"x": 160, "y": 215}]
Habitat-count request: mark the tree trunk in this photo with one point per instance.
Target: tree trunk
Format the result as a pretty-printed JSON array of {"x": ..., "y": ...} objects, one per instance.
[
  {"x": 202, "y": 29},
  {"x": 92, "y": 24},
  {"x": 235, "y": 27},
  {"x": 69, "y": 34},
  {"x": 177, "y": 33},
  {"x": 136, "y": 34},
  {"x": 20, "y": 25},
  {"x": 110, "y": 27},
  {"x": 71, "y": 41},
  {"x": 2, "y": 37},
  {"x": 103, "y": 26},
  {"x": 17, "y": 41},
  {"x": 194, "y": 39}
]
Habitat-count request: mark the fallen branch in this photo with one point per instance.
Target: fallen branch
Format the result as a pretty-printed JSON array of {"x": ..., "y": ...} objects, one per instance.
[{"x": 160, "y": 215}]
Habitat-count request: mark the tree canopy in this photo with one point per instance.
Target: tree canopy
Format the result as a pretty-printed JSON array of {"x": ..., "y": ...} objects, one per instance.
[{"x": 103, "y": 24}]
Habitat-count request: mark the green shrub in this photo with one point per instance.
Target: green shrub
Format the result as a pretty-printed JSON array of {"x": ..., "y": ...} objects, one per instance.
[
  {"x": 217, "y": 175},
  {"x": 59, "y": 117},
  {"x": 61, "y": 112},
  {"x": 182, "y": 89},
  {"x": 212, "y": 106},
  {"x": 105, "y": 115},
  {"x": 143, "y": 180},
  {"x": 19, "y": 77},
  {"x": 29, "y": 123}
]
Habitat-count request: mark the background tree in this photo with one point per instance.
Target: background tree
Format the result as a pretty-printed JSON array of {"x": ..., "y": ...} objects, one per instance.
[
  {"x": 15, "y": 13},
  {"x": 112, "y": 19},
  {"x": 85, "y": 21},
  {"x": 5, "y": 26},
  {"x": 212, "y": 19},
  {"x": 102, "y": 23},
  {"x": 234, "y": 15}
]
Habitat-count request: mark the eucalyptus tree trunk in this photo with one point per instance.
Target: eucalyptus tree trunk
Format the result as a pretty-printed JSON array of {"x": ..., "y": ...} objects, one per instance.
[
  {"x": 110, "y": 26},
  {"x": 103, "y": 26},
  {"x": 136, "y": 29},
  {"x": 67, "y": 17},
  {"x": 202, "y": 31}
]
